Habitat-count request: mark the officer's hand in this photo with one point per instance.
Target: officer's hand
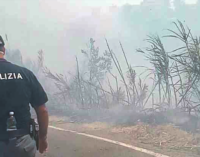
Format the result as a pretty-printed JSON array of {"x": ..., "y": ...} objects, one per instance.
[{"x": 43, "y": 145}]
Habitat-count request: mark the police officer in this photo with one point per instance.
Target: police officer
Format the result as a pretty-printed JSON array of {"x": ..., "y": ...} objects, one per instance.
[{"x": 18, "y": 88}]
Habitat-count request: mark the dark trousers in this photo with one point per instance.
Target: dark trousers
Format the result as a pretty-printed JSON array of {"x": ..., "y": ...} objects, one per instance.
[{"x": 22, "y": 147}]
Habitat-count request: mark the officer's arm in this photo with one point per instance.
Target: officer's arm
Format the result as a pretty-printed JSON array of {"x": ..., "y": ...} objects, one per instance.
[
  {"x": 43, "y": 120},
  {"x": 38, "y": 100}
]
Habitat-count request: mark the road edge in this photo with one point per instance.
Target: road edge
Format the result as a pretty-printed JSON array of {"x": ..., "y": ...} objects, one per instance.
[{"x": 112, "y": 141}]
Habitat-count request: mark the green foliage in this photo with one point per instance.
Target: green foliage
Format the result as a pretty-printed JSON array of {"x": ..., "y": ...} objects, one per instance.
[
  {"x": 87, "y": 90},
  {"x": 158, "y": 57},
  {"x": 178, "y": 71},
  {"x": 98, "y": 65}
]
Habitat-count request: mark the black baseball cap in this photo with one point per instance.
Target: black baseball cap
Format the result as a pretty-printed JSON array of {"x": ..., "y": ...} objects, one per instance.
[{"x": 1, "y": 42}]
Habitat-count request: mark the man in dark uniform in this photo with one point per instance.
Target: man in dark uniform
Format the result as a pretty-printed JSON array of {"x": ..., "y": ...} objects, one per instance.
[{"x": 18, "y": 88}]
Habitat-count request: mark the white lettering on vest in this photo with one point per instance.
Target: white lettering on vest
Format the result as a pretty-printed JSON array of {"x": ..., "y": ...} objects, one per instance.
[
  {"x": 14, "y": 75},
  {"x": 2, "y": 77},
  {"x": 19, "y": 76},
  {"x": 10, "y": 76}
]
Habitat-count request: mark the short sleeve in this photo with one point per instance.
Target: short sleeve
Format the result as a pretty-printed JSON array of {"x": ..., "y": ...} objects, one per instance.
[{"x": 38, "y": 95}]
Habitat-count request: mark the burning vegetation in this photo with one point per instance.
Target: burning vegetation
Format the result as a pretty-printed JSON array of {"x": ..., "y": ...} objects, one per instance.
[{"x": 175, "y": 76}]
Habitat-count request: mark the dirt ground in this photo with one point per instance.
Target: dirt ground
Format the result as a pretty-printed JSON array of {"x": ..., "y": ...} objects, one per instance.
[{"x": 165, "y": 139}]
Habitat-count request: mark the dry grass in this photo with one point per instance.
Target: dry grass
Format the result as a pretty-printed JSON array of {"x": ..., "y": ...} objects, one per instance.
[
  {"x": 166, "y": 136},
  {"x": 55, "y": 119},
  {"x": 96, "y": 126}
]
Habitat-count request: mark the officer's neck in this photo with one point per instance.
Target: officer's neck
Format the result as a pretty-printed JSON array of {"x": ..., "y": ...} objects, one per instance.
[{"x": 1, "y": 56}]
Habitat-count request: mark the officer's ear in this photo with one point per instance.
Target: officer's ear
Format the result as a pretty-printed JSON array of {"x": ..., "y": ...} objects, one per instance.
[{"x": 3, "y": 49}]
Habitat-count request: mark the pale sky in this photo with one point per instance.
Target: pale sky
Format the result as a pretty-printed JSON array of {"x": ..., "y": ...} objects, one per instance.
[
  {"x": 191, "y": 1},
  {"x": 106, "y": 2},
  {"x": 111, "y": 2}
]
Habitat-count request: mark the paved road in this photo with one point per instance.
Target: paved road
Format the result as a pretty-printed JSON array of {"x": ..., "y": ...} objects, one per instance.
[{"x": 64, "y": 144}]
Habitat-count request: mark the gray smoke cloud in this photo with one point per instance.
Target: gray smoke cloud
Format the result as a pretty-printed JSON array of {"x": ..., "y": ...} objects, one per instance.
[{"x": 61, "y": 28}]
